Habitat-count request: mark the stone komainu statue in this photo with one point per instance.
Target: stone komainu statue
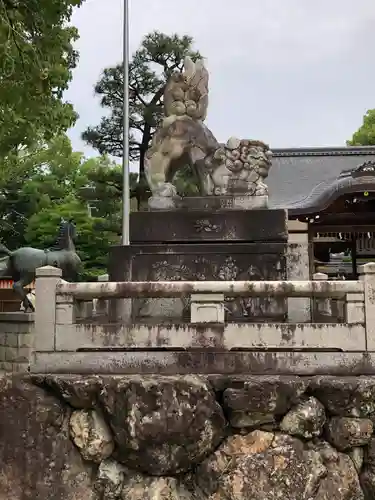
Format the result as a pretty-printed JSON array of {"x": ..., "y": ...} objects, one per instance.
[{"x": 238, "y": 167}]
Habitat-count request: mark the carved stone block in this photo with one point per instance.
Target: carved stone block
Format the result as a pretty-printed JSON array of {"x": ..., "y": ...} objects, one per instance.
[{"x": 217, "y": 245}]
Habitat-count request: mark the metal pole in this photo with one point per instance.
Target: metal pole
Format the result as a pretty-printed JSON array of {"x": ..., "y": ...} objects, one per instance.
[{"x": 125, "y": 154}]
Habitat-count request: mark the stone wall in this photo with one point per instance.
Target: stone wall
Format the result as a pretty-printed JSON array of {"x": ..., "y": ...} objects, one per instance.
[
  {"x": 16, "y": 336},
  {"x": 187, "y": 438}
]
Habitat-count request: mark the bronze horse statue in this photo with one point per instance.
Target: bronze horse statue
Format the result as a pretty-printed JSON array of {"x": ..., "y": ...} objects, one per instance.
[{"x": 21, "y": 264}]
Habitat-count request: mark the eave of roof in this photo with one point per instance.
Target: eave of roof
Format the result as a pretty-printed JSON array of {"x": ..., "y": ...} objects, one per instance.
[
  {"x": 297, "y": 173},
  {"x": 324, "y": 151}
]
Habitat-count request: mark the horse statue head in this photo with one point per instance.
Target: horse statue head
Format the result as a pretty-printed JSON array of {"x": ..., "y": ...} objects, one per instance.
[{"x": 67, "y": 235}]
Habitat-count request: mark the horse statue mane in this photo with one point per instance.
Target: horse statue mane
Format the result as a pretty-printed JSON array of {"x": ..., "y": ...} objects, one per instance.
[
  {"x": 21, "y": 264},
  {"x": 67, "y": 229}
]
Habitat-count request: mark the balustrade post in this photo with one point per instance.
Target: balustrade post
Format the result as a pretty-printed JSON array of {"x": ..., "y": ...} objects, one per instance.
[
  {"x": 66, "y": 311},
  {"x": 355, "y": 308},
  {"x": 298, "y": 269},
  {"x": 322, "y": 307},
  {"x": 367, "y": 276},
  {"x": 45, "y": 307},
  {"x": 207, "y": 308},
  {"x": 101, "y": 305}
]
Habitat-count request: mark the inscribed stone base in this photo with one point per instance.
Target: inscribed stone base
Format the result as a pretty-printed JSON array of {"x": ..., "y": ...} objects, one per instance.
[
  {"x": 235, "y": 202},
  {"x": 227, "y": 245}
]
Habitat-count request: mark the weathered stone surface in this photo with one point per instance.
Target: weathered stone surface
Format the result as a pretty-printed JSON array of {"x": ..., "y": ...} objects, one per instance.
[
  {"x": 173, "y": 427},
  {"x": 202, "y": 225},
  {"x": 345, "y": 433},
  {"x": 340, "y": 481},
  {"x": 79, "y": 392},
  {"x": 270, "y": 467},
  {"x": 154, "y": 488},
  {"x": 239, "y": 166},
  {"x": 346, "y": 396},
  {"x": 367, "y": 476},
  {"x": 370, "y": 453},
  {"x": 91, "y": 435},
  {"x": 37, "y": 458},
  {"x": 367, "y": 479},
  {"x": 266, "y": 466},
  {"x": 110, "y": 479},
  {"x": 306, "y": 419},
  {"x": 251, "y": 401},
  {"x": 163, "y": 425},
  {"x": 250, "y": 420},
  {"x": 357, "y": 456}
]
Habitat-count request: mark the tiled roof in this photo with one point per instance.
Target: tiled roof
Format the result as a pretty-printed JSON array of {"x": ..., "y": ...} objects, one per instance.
[{"x": 295, "y": 173}]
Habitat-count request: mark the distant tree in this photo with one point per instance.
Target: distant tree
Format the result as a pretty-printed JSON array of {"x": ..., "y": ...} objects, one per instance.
[
  {"x": 39, "y": 177},
  {"x": 53, "y": 181},
  {"x": 103, "y": 189},
  {"x": 365, "y": 135},
  {"x": 36, "y": 58},
  {"x": 152, "y": 64}
]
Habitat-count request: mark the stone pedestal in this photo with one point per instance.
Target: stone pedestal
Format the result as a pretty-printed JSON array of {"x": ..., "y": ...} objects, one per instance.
[
  {"x": 224, "y": 202},
  {"x": 203, "y": 245}
]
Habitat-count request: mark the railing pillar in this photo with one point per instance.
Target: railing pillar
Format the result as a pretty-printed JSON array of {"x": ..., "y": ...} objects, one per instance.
[
  {"x": 101, "y": 305},
  {"x": 207, "y": 308},
  {"x": 298, "y": 268},
  {"x": 355, "y": 308},
  {"x": 322, "y": 307},
  {"x": 65, "y": 310},
  {"x": 45, "y": 307},
  {"x": 367, "y": 275}
]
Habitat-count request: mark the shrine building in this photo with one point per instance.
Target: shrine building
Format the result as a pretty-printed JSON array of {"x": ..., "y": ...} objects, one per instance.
[{"x": 333, "y": 190}]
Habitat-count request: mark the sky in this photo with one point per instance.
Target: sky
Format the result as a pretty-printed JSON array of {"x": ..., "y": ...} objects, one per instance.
[{"x": 293, "y": 73}]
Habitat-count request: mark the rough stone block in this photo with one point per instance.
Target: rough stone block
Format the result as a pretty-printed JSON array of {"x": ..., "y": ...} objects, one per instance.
[{"x": 195, "y": 451}]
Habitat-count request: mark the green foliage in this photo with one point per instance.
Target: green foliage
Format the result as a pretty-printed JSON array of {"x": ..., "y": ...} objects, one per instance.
[
  {"x": 365, "y": 135},
  {"x": 41, "y": 178},
  {"x": 37, "y": 58},
  {"x": 37, "y": 179},
  {"x": 186, "y": 182},
  {"x": 152, "y": 64},
  {"x": 54, "y": 182}
]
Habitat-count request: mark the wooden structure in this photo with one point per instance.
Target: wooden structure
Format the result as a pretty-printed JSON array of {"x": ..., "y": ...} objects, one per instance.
[
  {"x": 9, "y": 300},
  {"x": 339, "y": 209}
]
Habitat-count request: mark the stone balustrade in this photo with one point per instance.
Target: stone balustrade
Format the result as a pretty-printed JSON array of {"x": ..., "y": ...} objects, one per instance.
[{"x": 63, "y": 344}]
